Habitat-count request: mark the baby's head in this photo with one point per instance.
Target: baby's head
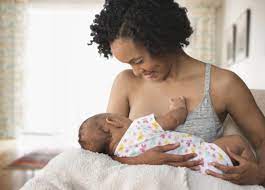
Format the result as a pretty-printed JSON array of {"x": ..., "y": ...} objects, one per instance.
[{"x": 93, "y": 134}]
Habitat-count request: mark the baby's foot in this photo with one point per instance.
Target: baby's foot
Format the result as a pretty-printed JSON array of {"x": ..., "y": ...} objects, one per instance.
[{"x": 178, "y": 109}]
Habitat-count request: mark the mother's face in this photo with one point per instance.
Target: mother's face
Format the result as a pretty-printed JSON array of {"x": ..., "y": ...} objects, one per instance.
[{"x": 144, "y": 65}]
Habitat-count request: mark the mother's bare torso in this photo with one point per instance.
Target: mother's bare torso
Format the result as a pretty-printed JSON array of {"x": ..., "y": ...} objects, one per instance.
[{"x": 202, "y": 120}]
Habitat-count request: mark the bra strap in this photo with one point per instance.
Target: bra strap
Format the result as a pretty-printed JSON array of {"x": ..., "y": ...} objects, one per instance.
[{"x": 207, "y": 84}]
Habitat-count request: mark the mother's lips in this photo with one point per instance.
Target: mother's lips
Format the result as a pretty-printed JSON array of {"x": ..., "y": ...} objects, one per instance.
[{"x": 148, "y": 73}]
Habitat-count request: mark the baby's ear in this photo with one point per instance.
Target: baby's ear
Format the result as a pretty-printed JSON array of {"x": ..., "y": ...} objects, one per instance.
[
  {"x": 106, "y": 130},
  {"x": 114, "y": 121}
]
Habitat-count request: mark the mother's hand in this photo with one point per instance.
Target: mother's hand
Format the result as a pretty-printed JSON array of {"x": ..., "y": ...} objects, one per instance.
[
  {"x": 246, "y": 173},
  {"x": 157, "y": 156}
]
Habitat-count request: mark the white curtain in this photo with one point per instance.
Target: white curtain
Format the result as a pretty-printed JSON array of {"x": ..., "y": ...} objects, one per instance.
[
  {"x": 66, "y": 80},
  {"x": 12, "y": 24},
  {"x": 202, "y": 14}
]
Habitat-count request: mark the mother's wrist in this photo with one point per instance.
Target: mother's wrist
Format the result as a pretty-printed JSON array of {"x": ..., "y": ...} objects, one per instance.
[
  {"x": 128, "y": 160},
  {"x": 261, "y": 175}
]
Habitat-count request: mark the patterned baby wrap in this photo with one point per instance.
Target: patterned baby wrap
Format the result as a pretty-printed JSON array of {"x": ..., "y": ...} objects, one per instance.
[{"x": 145, "y": 133}]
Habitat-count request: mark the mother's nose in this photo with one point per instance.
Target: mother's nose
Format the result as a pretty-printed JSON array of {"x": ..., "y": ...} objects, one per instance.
[{"x": 141, "y": 70}]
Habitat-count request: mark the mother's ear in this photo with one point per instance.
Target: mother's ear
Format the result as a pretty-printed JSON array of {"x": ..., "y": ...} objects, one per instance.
[{"x": 114, "y": 121}]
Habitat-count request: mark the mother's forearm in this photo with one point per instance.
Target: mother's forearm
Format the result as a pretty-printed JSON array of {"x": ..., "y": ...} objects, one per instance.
[
  {"x": 261, "y": 161},
  {"x": 128, "y": 160}
]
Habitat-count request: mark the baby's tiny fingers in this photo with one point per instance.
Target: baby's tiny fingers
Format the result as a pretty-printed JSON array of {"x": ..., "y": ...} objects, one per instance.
[{"x": 181, "y": 97}]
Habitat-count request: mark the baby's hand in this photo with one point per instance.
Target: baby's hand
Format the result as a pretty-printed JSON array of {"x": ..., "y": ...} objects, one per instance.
[
  {"x": 177, "y": 114},
  {"x": 178, "y": 109},
  {"x": 177, "y": 103}
]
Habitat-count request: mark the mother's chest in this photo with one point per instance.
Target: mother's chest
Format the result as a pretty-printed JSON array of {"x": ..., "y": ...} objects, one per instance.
[{"x": 157, "y": 101}]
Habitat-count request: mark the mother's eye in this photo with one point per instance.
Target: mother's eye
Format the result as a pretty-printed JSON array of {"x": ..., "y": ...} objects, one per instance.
[{"x": 139, "y": 61}]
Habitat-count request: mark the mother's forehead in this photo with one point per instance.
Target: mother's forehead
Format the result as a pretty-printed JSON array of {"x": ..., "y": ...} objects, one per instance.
[{"x": 125, "y": 49}]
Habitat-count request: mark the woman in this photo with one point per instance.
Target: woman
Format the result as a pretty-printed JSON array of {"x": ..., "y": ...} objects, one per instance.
[{"x": 149, "y": 35}]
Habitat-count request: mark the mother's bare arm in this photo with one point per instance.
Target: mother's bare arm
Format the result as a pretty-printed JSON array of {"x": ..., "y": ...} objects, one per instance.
[
  {"x": 241, "y": 105},
  {"x": 157, "y": 156},
  {"x": 119, "y": 96},
  {"x": 119, "y": 103}
]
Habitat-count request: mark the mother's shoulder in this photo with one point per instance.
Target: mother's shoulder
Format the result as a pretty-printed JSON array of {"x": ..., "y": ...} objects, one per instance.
[
  {"x": 126, "y": 74},
  {"x": 225, "y": 80},
  {"x": 126, "y": 78},
  {"x": 224, "y": 75}
]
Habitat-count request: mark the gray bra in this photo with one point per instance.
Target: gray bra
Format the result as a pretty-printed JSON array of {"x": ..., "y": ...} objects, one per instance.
[{"x": 203, "y": 121}]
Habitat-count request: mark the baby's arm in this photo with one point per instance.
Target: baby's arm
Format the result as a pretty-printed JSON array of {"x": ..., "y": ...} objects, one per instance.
[{"x": 176, "y": 115}]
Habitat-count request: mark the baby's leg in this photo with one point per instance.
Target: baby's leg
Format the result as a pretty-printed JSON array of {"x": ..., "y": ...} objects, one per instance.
[
  {"x": 237, "y": 145},
  {"x": 176, "y": 116}
]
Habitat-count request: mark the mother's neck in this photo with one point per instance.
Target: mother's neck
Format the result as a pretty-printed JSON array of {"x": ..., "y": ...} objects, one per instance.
[{"x": 181, "y": 65}]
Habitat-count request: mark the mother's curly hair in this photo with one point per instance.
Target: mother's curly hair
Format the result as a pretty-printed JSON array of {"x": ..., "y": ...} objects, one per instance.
[{"x": 162, "y": 26}]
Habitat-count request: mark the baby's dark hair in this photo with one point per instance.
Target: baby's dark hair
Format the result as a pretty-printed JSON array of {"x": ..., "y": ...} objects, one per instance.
[
  {"x": 96, "y": 137},
  {"x": 162, "y": 26},
  {"x": 81, "y": 139}
]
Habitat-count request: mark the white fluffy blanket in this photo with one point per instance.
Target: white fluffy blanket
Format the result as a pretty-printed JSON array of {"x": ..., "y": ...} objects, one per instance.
[{"x": 79, "y": 169}]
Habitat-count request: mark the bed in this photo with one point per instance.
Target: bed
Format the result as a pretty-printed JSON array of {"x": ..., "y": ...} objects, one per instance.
[{"x": 80, "y": 169}]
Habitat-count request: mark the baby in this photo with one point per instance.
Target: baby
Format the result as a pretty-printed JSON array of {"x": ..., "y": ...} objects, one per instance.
[{"x": 113, "y": 134}]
